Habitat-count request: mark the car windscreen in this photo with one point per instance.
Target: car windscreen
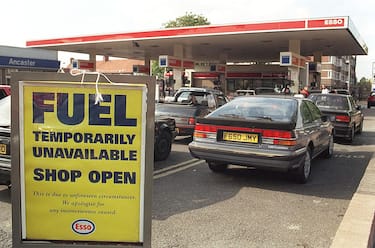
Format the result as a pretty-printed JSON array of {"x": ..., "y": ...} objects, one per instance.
[
  {"x": 258, "y": 108},
  {"x": 199, "y": 98},
  {"x": 330, "y": 101}
]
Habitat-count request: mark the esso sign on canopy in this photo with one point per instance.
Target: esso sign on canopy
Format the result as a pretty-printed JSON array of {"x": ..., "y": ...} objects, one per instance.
[{"x": 334, "y": 22}]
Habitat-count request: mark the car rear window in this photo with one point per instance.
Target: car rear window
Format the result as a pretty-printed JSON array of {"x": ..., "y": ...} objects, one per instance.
[
  {"x": 331, "y": 101},
  {"x": 200, "y": 98},
  {"x": 250, "y": 108}
]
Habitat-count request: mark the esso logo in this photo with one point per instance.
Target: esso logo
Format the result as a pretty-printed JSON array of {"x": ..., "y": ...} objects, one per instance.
[
  {"x": 334, "y": 22},
  {"x": 83, "y": 226}
]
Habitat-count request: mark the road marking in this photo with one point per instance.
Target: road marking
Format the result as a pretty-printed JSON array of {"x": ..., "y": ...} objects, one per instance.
[
  {"x": 176, "y": 168},
  {"x": 294, "y": 227},
  {"x": 349, "y": 156}
]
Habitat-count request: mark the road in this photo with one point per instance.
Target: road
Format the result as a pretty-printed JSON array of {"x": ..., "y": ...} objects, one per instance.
[
  {"x": 248, "y": 208},
  {"x": 193, "y": 207}
]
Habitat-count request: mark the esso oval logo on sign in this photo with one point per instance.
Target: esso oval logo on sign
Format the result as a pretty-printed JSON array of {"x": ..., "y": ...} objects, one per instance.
[
  {"x": 334, "y": 22},
  {"x": 83, "y": 226}
]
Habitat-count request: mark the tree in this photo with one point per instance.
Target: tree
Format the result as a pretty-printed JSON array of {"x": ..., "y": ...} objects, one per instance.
[
  {"x": 189, "y": 19},
  {"x": 364, "y": 82},
  {"x": 156, "y": 70},
  {"x": 364, "y": 87}
]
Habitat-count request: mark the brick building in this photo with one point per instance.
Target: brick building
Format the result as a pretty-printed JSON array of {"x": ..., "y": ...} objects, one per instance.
[{"x": 337, "y": 71}]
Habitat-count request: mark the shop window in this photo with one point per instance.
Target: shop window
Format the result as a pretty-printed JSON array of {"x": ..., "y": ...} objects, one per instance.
[{"x": 230, "y": 85}]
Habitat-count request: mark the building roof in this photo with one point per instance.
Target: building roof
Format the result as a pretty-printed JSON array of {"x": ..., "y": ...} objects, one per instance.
[{"x": 258, "y": 41}]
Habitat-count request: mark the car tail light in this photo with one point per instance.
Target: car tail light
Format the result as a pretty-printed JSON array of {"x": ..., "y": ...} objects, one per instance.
[
  {"x": 288, "y": 142},
  {"x": 191, "y": 121},
  {"x": 272, "y": 137},
  {"x": 342, "y": 118},
  {"x": 205, "y": 131},
  {"x": 277, "y": 134},
  {"x": 279, "y": 137}
]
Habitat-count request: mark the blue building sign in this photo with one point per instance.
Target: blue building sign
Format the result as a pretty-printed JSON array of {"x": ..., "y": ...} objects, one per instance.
[
  {"x": 163, "y": 60},
  {"x": 30, "y": 63},
  {"x": 285, "y": 59}
]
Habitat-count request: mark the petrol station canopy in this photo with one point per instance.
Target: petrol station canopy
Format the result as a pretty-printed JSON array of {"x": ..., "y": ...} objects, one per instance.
[{"x": 258, "y": 41}]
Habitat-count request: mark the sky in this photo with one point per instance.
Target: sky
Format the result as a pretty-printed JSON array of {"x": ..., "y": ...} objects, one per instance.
[{"x": 25, "y": 20}]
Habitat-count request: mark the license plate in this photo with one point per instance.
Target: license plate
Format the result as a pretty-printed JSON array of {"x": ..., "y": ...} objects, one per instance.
[
  {"x": 241, "y": 137},
  {"x": 3, "y": 149}
]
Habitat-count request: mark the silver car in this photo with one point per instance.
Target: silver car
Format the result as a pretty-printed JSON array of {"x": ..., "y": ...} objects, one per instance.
[{"x": 270, "y": 132}]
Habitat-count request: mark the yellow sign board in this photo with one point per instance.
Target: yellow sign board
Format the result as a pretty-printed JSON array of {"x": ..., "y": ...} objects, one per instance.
[{"x": 82, "y": 161}]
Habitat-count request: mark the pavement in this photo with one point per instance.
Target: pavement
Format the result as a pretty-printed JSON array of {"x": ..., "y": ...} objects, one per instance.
[{"x": 357, "y": 229}]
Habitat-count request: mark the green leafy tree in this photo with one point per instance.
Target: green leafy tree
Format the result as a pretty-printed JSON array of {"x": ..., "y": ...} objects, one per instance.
[
  {"x": 156, "y": 70},
  {"x": 364, "y": 82},
  {"x": 364, "y": 88},
  {"x": 189, "y": 19}
]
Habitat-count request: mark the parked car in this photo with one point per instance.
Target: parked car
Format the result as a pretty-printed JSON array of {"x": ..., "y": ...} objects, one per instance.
[
  {"x": 164, "y": 135},
  {"x": 245, "y": 92},
  {"x": 315, "y": 91},
  {"x": 5, "y": 167},
  {"x": 371, "y": 100},
  {"x": 269, "y": 132},
  {"x": 165, "y": 132},
  {"x": 340, "y": 91},
  {"x": 343, "y": 112},
  {"x": 4, "y": 91},
  {"x": 187, "y": 105},
  {"x": 265, "y": 91}
]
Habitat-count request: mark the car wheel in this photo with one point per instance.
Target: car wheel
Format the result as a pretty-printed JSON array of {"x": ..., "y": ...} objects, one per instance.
[
  {"x": 217, "y": 166},
  {"x": 304, "y": 170},
  {"x": 163, "y": 145},
  {"x": 329, "y": 151}
]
